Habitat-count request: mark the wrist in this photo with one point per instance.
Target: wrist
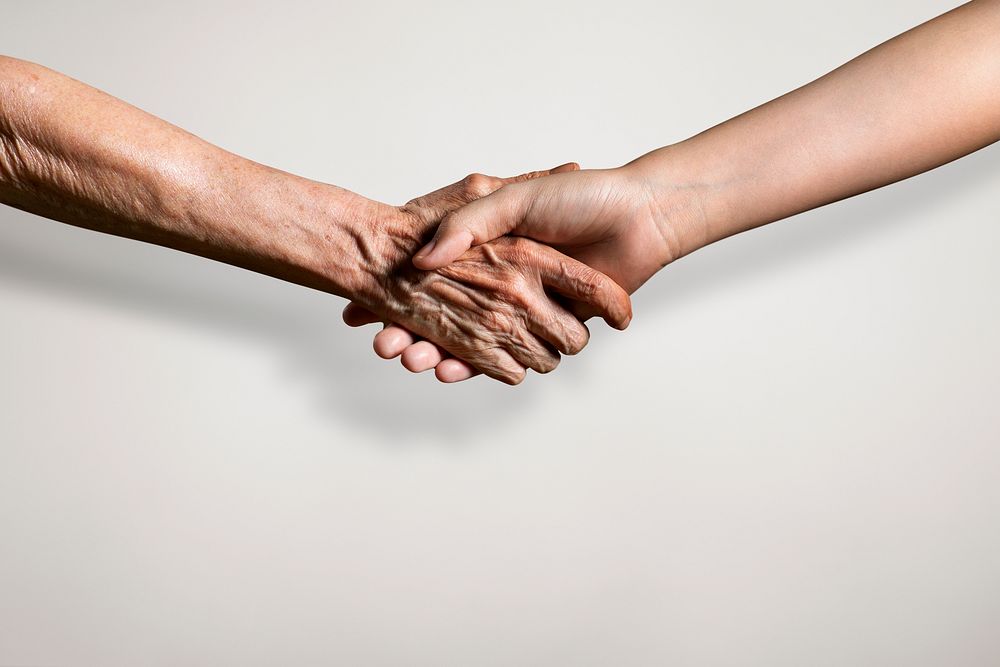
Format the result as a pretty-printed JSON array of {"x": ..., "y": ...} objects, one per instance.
[
  {"x": 282, "y": 225},
  {"x": 689, "y": 198},
  {"x": 381, "y": 240},
  {"x": 331, "y": 239}
]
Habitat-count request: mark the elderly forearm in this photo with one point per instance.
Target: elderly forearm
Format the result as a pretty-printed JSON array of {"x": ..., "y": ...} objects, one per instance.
[
  {"x": 74, "y": 154},
  {"x": 918, "y": 101}
]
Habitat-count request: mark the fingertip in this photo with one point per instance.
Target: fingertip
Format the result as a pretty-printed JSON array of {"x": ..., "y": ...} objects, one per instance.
[
  {"x": 624, "y": 308},
  {"x": 569, "y": 166},
  {"x": 514, "y": 378},
  {"x": 578, "y": 340},
  {"x": 618, "y": 324},
  {"x": 391, "y": 341},
  {"x": 357, "y": 316},
  {"x": 616, "y": 305},
  {"x": 618, "y": 321},
  {"x": 420, "y": 357},
  {"x": 446, "y": 247},
  {"x": 618, "y": 313},
  {"x": 454, "y": 370},
  {"x": 423, "y": 263},
  {"x": 421, "y": 256}
]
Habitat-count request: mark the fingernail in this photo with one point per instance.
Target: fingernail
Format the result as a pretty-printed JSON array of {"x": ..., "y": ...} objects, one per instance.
[{"x": 427, "y": 249}]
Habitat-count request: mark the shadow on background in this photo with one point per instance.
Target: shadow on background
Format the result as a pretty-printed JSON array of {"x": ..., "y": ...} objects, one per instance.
[
  {"x": 302, "y": 326},
  {"x": 305, "y": 327}
]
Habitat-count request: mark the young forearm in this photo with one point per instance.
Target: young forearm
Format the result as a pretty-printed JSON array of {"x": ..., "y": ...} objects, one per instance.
[
  {"x": 74, "y": 154},
  {"x": 916, "y": 102}
]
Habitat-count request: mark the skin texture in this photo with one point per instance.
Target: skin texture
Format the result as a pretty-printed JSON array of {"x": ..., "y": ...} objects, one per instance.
[
  {"x": 920, "y": 100},
  {"x": 491, "y": 302},
  {"x": 74, "y": 154}
]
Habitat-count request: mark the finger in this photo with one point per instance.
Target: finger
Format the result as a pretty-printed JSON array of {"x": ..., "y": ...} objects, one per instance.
[
  {"x": 496, "y": 363},
  {"x": 531, "y": 352},
  {"x": 421, "y": 356},
  {"x": 582, "y": 311},
  {"x": 478, "y": 222},
  {"x": 358, "y": 316},
  {"x": 553, "y": 323},
  {"x": 579, "y": 282},
  {"x": 569, "y": 166},
  {"x": 475, "y": 186},
  {"x": 481, "y": 221},
  {"x": 391, "y": 341},
  {"x": 454, "y": 370}
]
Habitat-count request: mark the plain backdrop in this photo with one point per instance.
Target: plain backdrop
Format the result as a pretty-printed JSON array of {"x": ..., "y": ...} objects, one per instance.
[{"x": 790, "y": 458}]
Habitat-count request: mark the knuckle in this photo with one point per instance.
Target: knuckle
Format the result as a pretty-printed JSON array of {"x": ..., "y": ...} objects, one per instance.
[
  {"x": 587, "y": 280},
  {"x": 519, "y": 251},
  {"x": 518, "y": 243},
  {"x": 518, "y": 291},
  {"x": 479, "y": 185}
]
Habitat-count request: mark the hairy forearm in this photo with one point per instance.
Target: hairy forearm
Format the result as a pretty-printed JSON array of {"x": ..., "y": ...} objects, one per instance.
[
  {"x": 916, "y": 102},
  {"x": 74, "y": 154}
]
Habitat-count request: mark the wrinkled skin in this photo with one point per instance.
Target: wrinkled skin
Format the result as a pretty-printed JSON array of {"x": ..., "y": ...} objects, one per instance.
[
  {"x": 491, "y": 303},
  {"x": 606, "y": 219},
  {"x": 72, "y": 153}
]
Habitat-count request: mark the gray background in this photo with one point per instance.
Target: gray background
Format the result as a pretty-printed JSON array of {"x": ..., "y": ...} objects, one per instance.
[{"x": 790, "y": 458}]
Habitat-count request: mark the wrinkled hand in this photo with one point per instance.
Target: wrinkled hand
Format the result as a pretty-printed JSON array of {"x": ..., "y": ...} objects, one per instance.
[
  {"x": 489, "y": 307},
  {"x": 607, "y": 219}
]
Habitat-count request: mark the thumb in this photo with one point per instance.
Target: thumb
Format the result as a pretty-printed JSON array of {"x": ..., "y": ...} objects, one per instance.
[{"x": 474, "y": 224}]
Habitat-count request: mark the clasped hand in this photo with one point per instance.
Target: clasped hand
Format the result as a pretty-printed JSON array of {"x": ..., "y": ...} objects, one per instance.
[
  {"x": 602, "y": 240},
  {"x": 500, "y": 307}
]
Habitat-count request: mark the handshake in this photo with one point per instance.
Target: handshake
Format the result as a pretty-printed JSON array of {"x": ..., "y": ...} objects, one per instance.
[
  {"x": 493, "y": 275},
  {"x": 509, "y": 269}
]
